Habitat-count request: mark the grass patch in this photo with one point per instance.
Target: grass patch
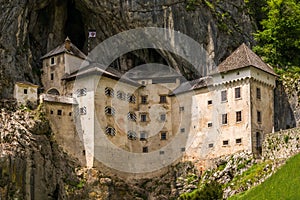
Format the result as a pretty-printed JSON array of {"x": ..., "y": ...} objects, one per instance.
[{"x": 284, "y": 184}]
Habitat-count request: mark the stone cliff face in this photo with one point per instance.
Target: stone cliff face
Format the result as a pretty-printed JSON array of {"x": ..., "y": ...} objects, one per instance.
[{"x": 31, "y": 28}]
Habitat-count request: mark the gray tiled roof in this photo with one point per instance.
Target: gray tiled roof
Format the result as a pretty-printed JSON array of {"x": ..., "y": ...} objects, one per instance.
[
  {"x": 193, "y": 85},
  {"x": 242, "y": 57},
  {"x": 62, "y": 49}
]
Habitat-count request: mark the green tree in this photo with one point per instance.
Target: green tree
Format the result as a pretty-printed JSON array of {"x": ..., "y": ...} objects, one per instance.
[{"x": 279, "y": 41}]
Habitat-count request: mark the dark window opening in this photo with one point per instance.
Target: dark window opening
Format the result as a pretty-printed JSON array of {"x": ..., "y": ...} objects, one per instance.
[
  {"x": 52, "y": 76},
  {"x": 225, "y": 142},
  {"x": 258, "y": 116},
  {"x": 238, "y": 141},
  {"x": 210, "y": 145},
  {"x": 145, "y": 149},
  {"x": 181, "y": 108},
  {"x": 209, "y": 102},
  {"x": 109, "y": 110},
  {"x": 59, "y": 112},
  {"x": 52, "y": 61},
  {"x": 224, "y": 119},
  {"x": 163, "y": 99},
  {"x": 144, "y": 99},
  {"x": 109, "y": 92},
  {"x": 143, "y": 136},
  {"x": 258, "y": 93},
  {"x": 25, "y": 91},
  {"x": 182, "y": 130},
  {"x": 239, "y": 116},
  {"x": 237, "y": 92},
  {"x": 163, "y": 135},
  {"x": 209, "y": 124},
  {"x": 143, "y": 117}
]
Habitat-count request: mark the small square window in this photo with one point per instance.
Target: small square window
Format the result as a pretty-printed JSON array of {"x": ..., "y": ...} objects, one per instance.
[
  {"x": 110, "y": 131},
  {"x": 161, "y": 152},
  {"x": 52, "y": 76},
  {"x": 109, "y": 92},
  {"x": 131, "y": 135},
  {"x": 131, "y": 116},
  {"x": 258, "y": 93},
  {"x": 109, "y": 110},
  {"x": 237, "y": 92},
  {"x": 81, "y": 92},
  {"x": 181, "y": 108},
  {"x": 210, "y": 145},
  {"x": 70, "y": 113},
  {"x": 209, "y": 124},
  {"x": 258, "y": 116},
  {"x": 209, "y": 102},
  {"x": 143, "y": 136},
  {"x": 238, "y": 116},
  {"x": 224, "y": 119},
  {"x": 82, "y": 110},
  {"x": 145, "y": 149},
  {"x": 51, "y": 112},
  {"x": 163, "y": 99},
  {"x": 130, "y": 98},
  {"x": 59, "y": 112},
  {"x": 223, "y": 95},
  {"x": 238, "y": 141},
  {"x": 163, "y": 117},
  {"x": 225, "y": 142},
  {"x": 25, "y": 91},
  {"x": 163, "y": 135},
  {"x": 143, "y": 117},
  {"x": 182, "y": 149},
  {"x": 143, "y": 99},
  {"x": 120, "y": 95},
  {"x": 182, "y": 130}
]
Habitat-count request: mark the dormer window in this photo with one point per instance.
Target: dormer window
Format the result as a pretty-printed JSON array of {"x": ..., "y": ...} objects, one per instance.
[{"x": 52, "y": 61}]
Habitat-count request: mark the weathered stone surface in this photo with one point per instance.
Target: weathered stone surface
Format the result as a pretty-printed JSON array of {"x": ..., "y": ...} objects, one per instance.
[{"x": 29, "y": 29}]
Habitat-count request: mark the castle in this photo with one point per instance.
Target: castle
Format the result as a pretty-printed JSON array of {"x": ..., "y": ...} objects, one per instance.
[{"x": 98, "y": 113}]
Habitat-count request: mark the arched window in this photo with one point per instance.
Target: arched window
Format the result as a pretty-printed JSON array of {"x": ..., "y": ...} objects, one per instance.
[
  {"x": 109, "y": 92},
  {"x": 110, "y": 131},
  {"x": 131, "y": 135},
  {"x": 53, "y": 91},
  {"x": 109, "y": 110}
]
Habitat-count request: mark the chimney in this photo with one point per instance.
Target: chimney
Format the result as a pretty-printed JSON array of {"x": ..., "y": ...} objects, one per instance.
[{"x": 67, "y": 44}]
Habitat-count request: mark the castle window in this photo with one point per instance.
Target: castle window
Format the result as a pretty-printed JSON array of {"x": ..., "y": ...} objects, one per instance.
[
  {"x": 209, "y": 124},
  {"x": 51, "y": 112},
  {"x": 163, "y": 135},
  {"x": 258, "y": 93},
  {"x": 70, "y": 113},
  {"x": 82, "y": 110},
  {"x": 238, "y": 141},
  {"x": 110, "y": 131},
  {"x": 162, "y": 99},
  {"x": 109, "y": 92},
  {"x": 143, "y": 99},
  {"x": 225, "y": 142},
  {"x": 130, "y": 98},
  {"x": 237, "y": 92},
  {"x": 131, "y": 116},
  {"x": 143, "y": 136},
  {"x": 258, "y": 116},
  {"x": 161, "y": 152},
  {"x": 25, "y": 91},
  {"x": 238, "y": 116},
  {"x": 59, "y": 112},
  {"x": 163, "y": 117},
  {"x": 81, "y": 92},
  {"x": 211, "y": 145},
  {"x": 121, "y": 95},
  {"x": 52, "y": 61},
  {"x": 131, "y": 135},
  {"x": 209, "y": 102},
  {"x": 145, "y": 149},
  {"x": 182, "y": 130},
  {"x": 109, "y": 110},
  {"x": 143, "y": 117},
  {"x": 181, "y": 108},
  {"x": 223, "y": 95},
  {"x": 182, "y": 149},
  {"x": 51, "y": 76},
  {"x": 224, "y": 119}
]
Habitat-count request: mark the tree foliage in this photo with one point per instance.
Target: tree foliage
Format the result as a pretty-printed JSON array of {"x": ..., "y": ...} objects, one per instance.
[{"x": 279, "y": 40}]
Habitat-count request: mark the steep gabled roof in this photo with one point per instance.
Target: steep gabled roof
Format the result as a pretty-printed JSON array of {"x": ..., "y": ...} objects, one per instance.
[
  {"x": 242, "y": 57},
  {"x": 62, "y": 49}
]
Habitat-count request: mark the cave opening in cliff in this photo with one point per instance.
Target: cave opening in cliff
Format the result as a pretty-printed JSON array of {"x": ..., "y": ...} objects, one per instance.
[{"x": 74, "y": 26}]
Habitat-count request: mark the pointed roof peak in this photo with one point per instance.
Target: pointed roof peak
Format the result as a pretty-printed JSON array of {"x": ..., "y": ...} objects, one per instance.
[
  {"x": 67, "y": 39},
  {"x": 242, "y": 57}
]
